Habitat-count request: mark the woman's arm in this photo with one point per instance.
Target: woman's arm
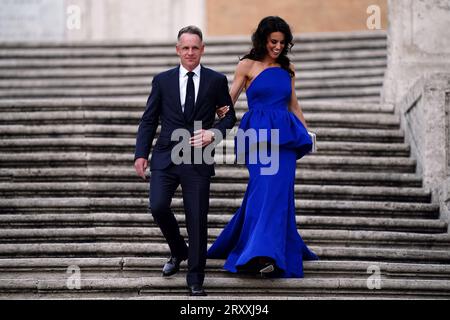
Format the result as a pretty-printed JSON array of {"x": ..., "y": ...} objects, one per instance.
[
  {"x": 294, "y": 106},
  {"x": 240, "y": 79},
  {"x": 239, "y": 82}
]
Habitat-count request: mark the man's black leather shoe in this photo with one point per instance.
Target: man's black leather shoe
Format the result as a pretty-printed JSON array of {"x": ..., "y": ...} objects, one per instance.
[
  {"x": 196, "y": 290},
  {"x": 172, "y": 266}
]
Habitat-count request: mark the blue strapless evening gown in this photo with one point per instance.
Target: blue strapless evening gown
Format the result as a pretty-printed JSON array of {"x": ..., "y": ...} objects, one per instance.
[{"x": 265, "y": 226}]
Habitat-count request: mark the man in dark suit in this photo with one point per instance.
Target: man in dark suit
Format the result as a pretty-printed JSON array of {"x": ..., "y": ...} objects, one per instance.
[{"x": 180, "y": 96}]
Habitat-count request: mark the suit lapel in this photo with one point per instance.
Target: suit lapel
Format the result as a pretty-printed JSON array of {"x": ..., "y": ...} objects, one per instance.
[
  {"x": 203, "y": 87},
  {"x": 176, "y": 80}
]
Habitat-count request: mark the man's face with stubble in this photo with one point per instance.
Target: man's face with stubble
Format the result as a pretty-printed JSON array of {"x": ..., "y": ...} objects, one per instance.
[{"x": 190, "y": 49}]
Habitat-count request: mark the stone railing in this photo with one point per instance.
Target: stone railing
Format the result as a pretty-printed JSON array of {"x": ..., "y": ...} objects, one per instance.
[{"x": 425, "y": 117}]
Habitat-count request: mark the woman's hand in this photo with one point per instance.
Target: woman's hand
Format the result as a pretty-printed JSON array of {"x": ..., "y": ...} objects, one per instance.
[{"x": 221, "y": 112}]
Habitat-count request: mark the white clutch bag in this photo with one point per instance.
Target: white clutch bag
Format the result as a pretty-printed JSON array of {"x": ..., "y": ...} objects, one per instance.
[{"x": 313, "y": 137}]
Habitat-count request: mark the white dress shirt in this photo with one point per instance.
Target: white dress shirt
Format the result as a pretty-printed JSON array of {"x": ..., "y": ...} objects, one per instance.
[{"x": 183, "y": 83}]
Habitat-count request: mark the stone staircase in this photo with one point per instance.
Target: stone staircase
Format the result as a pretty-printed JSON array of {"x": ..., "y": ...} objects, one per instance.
[
  {"x": 333, "y": 66},
  {"x": 73, "y": 208}
]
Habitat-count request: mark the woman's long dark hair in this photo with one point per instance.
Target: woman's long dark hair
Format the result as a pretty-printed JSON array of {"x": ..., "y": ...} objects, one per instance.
[{"x": 259, "y": 39}]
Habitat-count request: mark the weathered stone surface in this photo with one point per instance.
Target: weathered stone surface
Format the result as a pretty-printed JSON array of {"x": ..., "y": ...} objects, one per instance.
[
  {"x": 417, "y": 44},
  {"x": 360, "y": 201}
]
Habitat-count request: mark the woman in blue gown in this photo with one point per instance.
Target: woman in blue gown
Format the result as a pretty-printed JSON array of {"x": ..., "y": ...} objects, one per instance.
[{"x": 262, "y": 236}]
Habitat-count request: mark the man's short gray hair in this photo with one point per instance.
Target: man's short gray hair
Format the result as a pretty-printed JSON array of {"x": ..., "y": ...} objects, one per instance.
[{"x": 191, "y": 30}]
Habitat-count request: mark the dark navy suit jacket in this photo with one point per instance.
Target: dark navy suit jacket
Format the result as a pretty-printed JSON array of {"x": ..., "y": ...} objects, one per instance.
[{"x": 164, "y": 105}]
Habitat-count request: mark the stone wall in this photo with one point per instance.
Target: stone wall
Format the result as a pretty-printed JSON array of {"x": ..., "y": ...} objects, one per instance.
[
  {"x": 92, "y": 20},
  {"x": 418, "y": 43},
  {"x": 153, "y": 20},
  {"x": 417, "y": 81},
  {"x": 425, "y": 114},
  {"x": 237, "y": 17},
  {"x": 27, "y": 20}
]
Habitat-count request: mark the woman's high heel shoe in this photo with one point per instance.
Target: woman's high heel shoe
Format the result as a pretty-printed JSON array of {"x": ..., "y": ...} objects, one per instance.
[{"x": 267, "y": 270}]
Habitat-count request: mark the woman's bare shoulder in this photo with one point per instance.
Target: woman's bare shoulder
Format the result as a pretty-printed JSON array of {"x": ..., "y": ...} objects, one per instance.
[
  {"x": 245, "y": 65},
  {"x": 292, "y": 66}
]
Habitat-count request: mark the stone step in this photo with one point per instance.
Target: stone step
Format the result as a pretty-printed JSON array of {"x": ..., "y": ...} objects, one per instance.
[
  {"x": 167, "y": 48},
  {"x": 89, "y": 275},
  {"x": 236, "y": 190},
  {"x": 115, "y": 104},
  {"x": 170, "y": 58},
  {"x": 16, "y": 268},
  {"x": 228, "y": 190},
  {"x": 119, "y": 249},
  {"x": 306, "y": 62},
  {"x": 338, "y": 149},
  {"x": 144, "y": 82},
  {"x": 331, "y": 149},
  {"x": 318, "y": 93},
  {"x": 308, "y": 71},
  {"x": 224, "y": 297},
  {"x": 220, "y": 40},
  {"x": 152, "y": 287},
  {"x": 211, "y": 52},
  {"x": 83, "y": 159},
  {"x": 305, "y": 41},
  {"x": 223, "y": 175},
  {"x": 359, "y": 135},
  {"x": 367, "y": 120},
  {"x": 305, "y": 88},
  {"x": 218, "y": 205},
  {"x": 324, "y": 177},
  {"x": 350, "y": 71},
  {"x": 342, "y": 163},
  {"x": 11, "y": 57},
  {"x": 129, "y": 131},
  {"x": 347, "y": 238},
  {"x": 127, "y": 145},
  {"x": 68, "y": 220}
]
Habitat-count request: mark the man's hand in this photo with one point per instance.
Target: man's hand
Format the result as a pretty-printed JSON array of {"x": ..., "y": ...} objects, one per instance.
[
  {"x": 221, "y": 112},
  {"x": 140, "y": 165},
  {"x": 201, "y": 138}
]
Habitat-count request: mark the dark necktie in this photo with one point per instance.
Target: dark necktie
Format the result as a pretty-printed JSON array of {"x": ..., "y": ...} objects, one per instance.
[{"x": 190, "y": 97}]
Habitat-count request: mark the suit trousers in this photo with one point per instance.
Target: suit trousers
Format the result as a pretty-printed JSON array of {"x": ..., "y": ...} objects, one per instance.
[{"x": 195, "y": 190}]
